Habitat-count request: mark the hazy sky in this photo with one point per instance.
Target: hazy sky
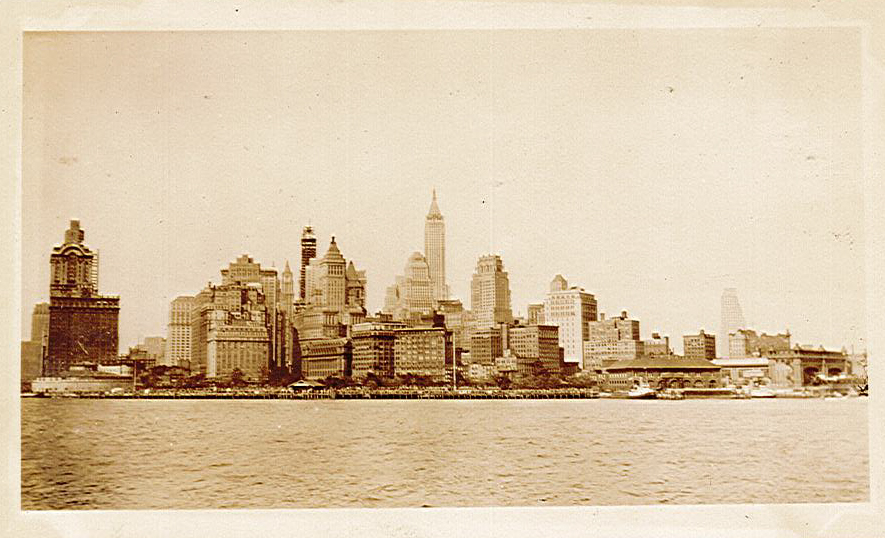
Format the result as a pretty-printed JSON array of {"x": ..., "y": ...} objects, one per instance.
[{"x": 651, "y": 167}]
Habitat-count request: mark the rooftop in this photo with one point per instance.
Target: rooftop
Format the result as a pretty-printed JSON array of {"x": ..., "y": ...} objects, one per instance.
[{"x": 654, "y": 362}]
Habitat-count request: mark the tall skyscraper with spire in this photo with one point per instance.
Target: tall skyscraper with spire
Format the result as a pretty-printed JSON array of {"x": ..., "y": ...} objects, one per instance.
[
  {"x": 287, "y": 297},
  {"x": 731, "y": 320},
  {"x": 435, "y": 250},
  {"x": 308, "y": 252}
]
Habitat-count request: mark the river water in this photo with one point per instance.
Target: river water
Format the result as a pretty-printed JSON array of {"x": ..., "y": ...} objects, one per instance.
[{"x": 167, "y": 454}]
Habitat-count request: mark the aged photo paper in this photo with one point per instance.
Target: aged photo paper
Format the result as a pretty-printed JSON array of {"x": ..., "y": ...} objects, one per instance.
[{"x": 443, "y": 268}]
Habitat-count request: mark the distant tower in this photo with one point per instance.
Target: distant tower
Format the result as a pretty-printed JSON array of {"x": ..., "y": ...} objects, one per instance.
[
  {"x": 178, "y": 332},
  {"x": 490, "y": 293},
  {"x": 731, "y": 320},
  {"x": 287, "y": 297},
  {"x": 435, "y": 250},
  {"x": 308, "y": 252},
  {"x": 412, "y": 293}
]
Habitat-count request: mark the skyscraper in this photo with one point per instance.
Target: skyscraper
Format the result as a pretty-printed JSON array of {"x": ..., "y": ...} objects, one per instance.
[
  {"x": 732, "y": 319},
  {"x": 287, "y": 297},
  {"x": 570, "y": 309},
  {"x": 230, "y": 330},
  {"x": 82, "y": 324},
  {"x": 308, "y": 252},
  {"x": 332, "y": 283},
  {"x": 490, "y": 293},
  {"x": 178, "y": 332},
  {"x": 412, "y": 293},
  {"x": 435, "y": 250}
]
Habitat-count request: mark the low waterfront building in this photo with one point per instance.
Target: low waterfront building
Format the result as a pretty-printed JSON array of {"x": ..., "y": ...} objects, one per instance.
[
  {"x": 662, "y": 372},
  {"x": 486, "y": 345},
  {"x": 657, "y": 345},
  {"x": 748, "y": 370},
  {"x": 536, "y": 343},
  {"x": 481, "y": 372},
  {"x": 325, "y": 357},
  {"x": 810, "y": 365},
  {"x": 373, "y": 348},
  {"x": 744, "y": 343},
  {"x": 425, "y": 351},
  {"x": 90, "y": 382}
]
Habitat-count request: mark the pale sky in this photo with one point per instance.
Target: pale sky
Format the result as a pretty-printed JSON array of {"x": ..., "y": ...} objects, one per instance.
[{"x": 651, "y": 167}]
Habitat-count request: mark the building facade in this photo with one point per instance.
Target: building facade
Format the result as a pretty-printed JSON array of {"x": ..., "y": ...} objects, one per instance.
[
  {"x": 486, "y": 345},
  {"x": 611, "y": 340},
  {"x": 412, "y": 295},
  {"x": 231, "y": 329},
  {"x": 662, "y": 373},
  {"x": 373, "y": 348},
  {"x": 333, "y": 284},
  {"x": 83, "y": 325},
  {"x": 700, "y": 346},
  {"x": 744, "y": 343},
  {"x": 178, "y": 332},
  {"x": 490, "y": 293},
  {"x": 155, "y": 347},
  {"x": 536, "y": 343},
  {"x": 535, "y": 314},
  {"x": 657, "y": 345},
  {"x": 322, "y": 358},
  {"x": 732, "y": 319},
  {"x": 308, "y": 252},
  {"x": 425, "y": 351},
  {"x": 572, "y": 310},
  {"x": 457, "y": 320},
  {"x": 287, "y": 291}
]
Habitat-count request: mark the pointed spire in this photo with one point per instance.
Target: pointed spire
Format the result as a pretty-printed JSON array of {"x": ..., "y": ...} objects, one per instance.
[
  {"x": 333, "y": 254},
  {"x": 434, "y": 209},
  {"x": 351, "y": 271},
  {"x": 287, "y": 270}
]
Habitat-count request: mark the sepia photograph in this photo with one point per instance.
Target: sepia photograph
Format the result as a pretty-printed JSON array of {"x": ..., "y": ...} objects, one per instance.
[{"x": 433, "y": 268}]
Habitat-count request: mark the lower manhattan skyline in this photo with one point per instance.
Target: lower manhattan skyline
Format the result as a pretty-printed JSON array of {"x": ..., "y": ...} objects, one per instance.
[
  {"x": 747, "y": 177},
  {"x": 445, "y": 268}
]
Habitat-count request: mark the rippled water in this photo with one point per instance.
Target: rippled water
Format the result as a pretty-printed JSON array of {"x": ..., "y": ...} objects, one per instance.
[{"x": 129, "y": 454}]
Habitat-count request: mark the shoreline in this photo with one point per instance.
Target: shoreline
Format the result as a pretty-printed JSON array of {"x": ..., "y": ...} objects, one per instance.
[{"x": 419, "y": 394}]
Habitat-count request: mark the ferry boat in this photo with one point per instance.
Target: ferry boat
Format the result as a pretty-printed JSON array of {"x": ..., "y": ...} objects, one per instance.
[{"x": 642, "y": 391}]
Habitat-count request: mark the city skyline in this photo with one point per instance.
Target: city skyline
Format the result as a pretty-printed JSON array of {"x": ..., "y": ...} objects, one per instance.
[{"x": 647, "y": 222}]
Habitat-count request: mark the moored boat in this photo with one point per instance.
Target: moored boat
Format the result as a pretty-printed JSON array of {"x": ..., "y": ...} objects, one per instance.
[
  {"x": 762, "y": 392},
  {"x": 642, "y": 392}
]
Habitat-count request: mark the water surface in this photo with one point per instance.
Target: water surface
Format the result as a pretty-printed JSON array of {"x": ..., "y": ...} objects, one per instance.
[{"x": 167, "y": 454}]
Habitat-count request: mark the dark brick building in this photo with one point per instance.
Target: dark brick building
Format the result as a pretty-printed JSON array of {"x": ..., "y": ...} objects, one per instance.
[{"x": 82, "y": 324}]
